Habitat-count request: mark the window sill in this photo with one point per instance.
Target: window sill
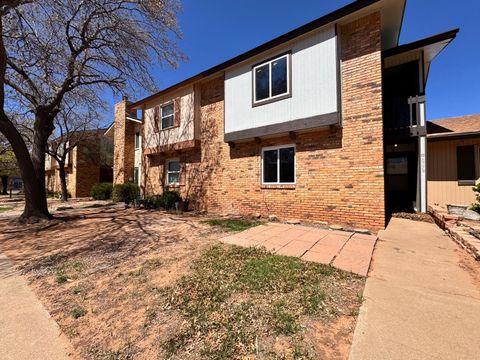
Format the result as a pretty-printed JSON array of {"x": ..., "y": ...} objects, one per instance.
[
  {"x": 278, "y": 187},
  {"x": 467, "y": 182},
  {"x": 271, "y": 100},
  {"x": 166, "y": 129}
]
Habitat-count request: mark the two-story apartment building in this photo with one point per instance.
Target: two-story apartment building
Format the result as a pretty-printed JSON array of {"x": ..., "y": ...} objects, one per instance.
[
  {"x": 89, "y": 162},
  {"x": 319, "y": 124}
]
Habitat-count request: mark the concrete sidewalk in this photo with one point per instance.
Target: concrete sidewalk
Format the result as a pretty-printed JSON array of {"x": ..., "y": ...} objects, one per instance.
[
  {"x": 419, "y": 303},
  {"x": 26, "y": 329},
  {"x": 344, "y": 250}
]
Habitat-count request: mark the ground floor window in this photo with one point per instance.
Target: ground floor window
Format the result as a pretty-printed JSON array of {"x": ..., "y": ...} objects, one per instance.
[
  {"x": 466, "y": 165},
  {"x": 173, "y": 172},
  {"x": 278, "y": 165},
  {"x": 136, "y": 179}
]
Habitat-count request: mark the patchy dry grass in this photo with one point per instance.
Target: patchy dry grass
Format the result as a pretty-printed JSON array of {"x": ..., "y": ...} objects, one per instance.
[
  {"x": 125, "y": 284},
  {"x": 4, "y": 209},
  {"x": 237, "y": 301},
  {"x": 234, "y": 224}
]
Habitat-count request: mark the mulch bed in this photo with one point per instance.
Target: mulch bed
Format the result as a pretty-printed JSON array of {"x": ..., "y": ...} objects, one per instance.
[{"x": 414, "y": 216}]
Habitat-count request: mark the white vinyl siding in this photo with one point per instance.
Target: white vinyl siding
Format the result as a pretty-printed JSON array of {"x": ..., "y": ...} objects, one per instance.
[{"x": 313, "y": 85}]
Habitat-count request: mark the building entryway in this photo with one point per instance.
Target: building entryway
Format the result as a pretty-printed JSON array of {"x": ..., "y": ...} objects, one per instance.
[{"x": 401, "y": 164}]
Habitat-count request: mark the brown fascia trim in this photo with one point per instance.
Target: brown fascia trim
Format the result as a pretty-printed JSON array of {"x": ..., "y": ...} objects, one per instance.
[
  {"x": 304, "y": 29},
  {"x": 453, "y": 136},
  {"x": 448, "y": 35},
  {"x": 182, "y": 145},
  {"x": 285, "y": 127}
]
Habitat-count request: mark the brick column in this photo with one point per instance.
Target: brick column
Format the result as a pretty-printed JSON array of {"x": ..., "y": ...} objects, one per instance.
[
  {"x": 124, "y": 146},
  {"x": 363, "y": 121}
]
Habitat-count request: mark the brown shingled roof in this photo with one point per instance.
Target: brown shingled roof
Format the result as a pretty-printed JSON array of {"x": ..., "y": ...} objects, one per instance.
[{"x": 455, "y": 126}]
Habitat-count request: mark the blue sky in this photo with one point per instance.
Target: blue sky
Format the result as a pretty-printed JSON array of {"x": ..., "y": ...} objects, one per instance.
[{"x": 215, "y": 30}]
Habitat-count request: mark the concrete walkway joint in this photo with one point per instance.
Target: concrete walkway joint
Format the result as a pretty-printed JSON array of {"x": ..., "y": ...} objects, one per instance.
[
  {"x": 342, "y": 249},
  {"x": 419, "y": 302}
]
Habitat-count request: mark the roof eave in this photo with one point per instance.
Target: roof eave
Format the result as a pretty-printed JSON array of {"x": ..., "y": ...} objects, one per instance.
[
  {"x": 451, "y": 136},
  {"x": 329, "y": 18}
]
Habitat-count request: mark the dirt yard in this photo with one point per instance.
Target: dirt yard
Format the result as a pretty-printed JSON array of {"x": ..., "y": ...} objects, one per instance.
[{"x": 137, "y": 284}]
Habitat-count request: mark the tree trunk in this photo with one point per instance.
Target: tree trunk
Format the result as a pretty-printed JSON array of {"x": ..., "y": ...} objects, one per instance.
[
  {"x": 4, "y": 185},
  {"x": 63, "y": 181},
  {"x": 35, "y": 197}
]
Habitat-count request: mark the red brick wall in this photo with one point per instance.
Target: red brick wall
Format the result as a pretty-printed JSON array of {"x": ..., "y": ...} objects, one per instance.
[
  {"x": 339, "y": 173},
  {"x": 124, "y": 150},
  {"x": 87, "y": 169}
]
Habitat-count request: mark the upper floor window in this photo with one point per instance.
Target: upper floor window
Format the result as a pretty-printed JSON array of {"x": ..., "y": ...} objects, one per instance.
[
  {"x": 278, "y": 165},
  {"x": 271, "y": 80},
  {"x": 137, "y": 140},
  {"x": 167, "y": 116}
]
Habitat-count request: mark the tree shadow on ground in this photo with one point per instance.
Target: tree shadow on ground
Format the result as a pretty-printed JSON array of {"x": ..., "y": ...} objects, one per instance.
[{"x": 110, "y": 234}]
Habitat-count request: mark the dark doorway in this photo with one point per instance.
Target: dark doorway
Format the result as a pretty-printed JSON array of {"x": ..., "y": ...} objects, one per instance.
[
  {"x": 401, "y": 155},
  {"x": 401, "y": 181}
]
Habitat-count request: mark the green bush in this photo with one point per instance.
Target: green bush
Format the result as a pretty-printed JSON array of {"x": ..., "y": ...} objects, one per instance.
[
  {"x": 102, "y": 191},
  {"x": 125, "y": 192},
  {"x": 165, "y": 201},
  {"x": 170, "y": 198},
  {"x": 476, "y": 206}
]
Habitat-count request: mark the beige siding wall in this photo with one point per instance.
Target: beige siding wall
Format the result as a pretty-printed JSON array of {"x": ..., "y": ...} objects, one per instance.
[
  {"x": 443, "y": 185},
  {"x": 183, "y": 132}
]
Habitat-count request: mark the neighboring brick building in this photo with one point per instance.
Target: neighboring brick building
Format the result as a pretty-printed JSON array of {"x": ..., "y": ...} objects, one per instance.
[
  {"x": 89, "y": 162},
  {"x": 294, "y": 128}
]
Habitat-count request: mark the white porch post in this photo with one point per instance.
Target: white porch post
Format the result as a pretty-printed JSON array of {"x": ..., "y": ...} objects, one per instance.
[{"x": 422, "y": 159}]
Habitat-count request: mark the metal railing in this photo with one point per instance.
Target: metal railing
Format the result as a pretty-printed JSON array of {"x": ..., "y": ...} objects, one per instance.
[{"x": 418, "y": 126}]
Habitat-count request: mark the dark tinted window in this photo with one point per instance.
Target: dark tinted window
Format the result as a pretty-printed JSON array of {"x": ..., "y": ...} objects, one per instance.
[
  {"x": 287, "y": 165},
  {"x": 279, "y": 162},
  {"x": 466, "y": 162},
  {"x": 173, "y": 166},
  {"x": 279, "y": 76},
  {"x": 262, "y": 80},
  {"x": 137, "y": 140},
  {"x": 270, "y": 158},
  {"x": 135, "y": 176}
]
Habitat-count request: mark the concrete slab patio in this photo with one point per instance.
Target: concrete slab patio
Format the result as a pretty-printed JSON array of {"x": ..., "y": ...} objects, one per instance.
[
  {"x": 419, "y": 302},
  {"x": 342, "y": 249},
  {"x": 26, "y": 329}
]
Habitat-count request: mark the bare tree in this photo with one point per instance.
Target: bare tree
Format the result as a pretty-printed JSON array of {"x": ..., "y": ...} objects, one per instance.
[
  {"x": 51, "y": 48},
  {"x": 8, "y": 164},
  {"x": 4, "y": 145}
]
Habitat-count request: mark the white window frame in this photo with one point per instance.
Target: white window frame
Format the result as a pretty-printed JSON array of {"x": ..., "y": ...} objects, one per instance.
[
  {"x": 136, "y": 180},
  {"x": 269, "y": 148},
  {"x": 167, "y": 172},
  {"x": 269, "y": 63},
  {"x": 137, "y": 140},
  {"x": 163, "y": 117}
]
